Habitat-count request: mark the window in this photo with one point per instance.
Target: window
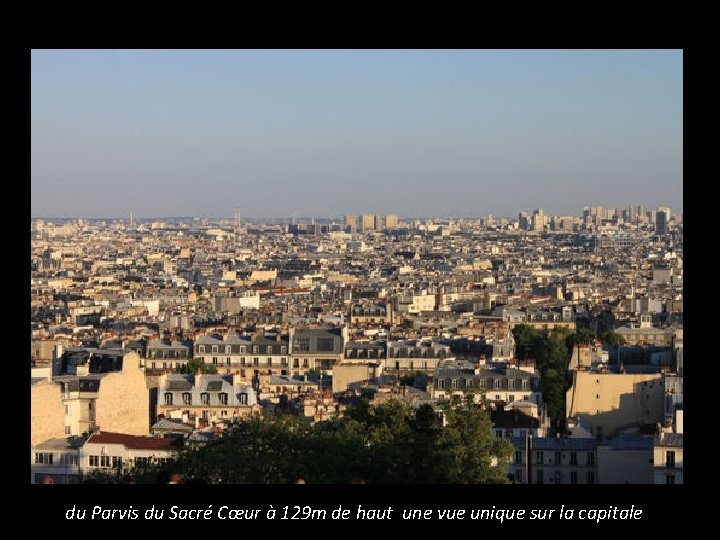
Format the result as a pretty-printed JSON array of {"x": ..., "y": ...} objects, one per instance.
[
  {"x": 670, "y": 479},
  {"x": 305, "y": 363},
  {"x": 511, "y": 398},
  {"x": 325, "y": 344},
  {"x": 497, "y": 397},
  {"x": 168, "y": 398},
  {"x": 215, "y": 360},
  {"x": 214, "y": 349},
  {"x": 205, "y": 398},
  {"x": 518, "y": 456},
  {"x": 256, "y": 361},
  {"x": 242, "y": 349},
  {"x": 227, "y": 360},
  {"x": 499, "y": 433},
  {"x": 670, "y": 458},
  {"x": 573, "y": 458},
  {"x": 223, "y": 414},
  {"x": 268, "y": 349},
  {"x": 94, "y": 461},
  {"x": 243, "y": 398},
  {"x": 296, "y": 363},
  {"x": 590, "y": 477},
  {"x": 539, "y": 457},
  {"x": 105, "y": 461},
  {"x": 496, "y": 383},
  {"x": 43, "y": 458},
  {"x": 284, "y": 361},
  {"x": 116, "y": 462},
  {"x": 68, "y": 430},
  {"x": 223, "y": 398},
  {"x": 69, "y": 459},
  {"x": 142, "y": 461},
  {"x": 511, "y": 384},
  {"x": 481, "y": 383},
  {"x": 573, "y": 477},
  {"x": 441, "y": 384},
  {"x": 256, "y": 349},
  {"x": 227, "y": 349},
  {"x": 187, "y": 398},
  {"x": 454, "y": 383},
  {"x": 525, "y": 384},
  {"x": 558, "y": 458},
  {"x": 242, "y": 373},
  {"x": 242, "y": 360},
  {"x": 269, "y": 361},
  {"x": 590, "y": 459},
  {"x": 283, "y": 350},
  {"x": 540, "y": 477},
  {"x": 201, "y": 349}
]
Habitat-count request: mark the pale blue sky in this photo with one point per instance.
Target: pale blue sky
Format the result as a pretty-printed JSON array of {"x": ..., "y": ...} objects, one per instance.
[{"x": 332, "y": 132}]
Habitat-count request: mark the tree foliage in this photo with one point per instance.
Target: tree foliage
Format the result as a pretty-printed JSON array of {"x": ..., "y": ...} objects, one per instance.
[
  {"x": 387, "y": 443},
  {"x": 195, "y": 365},
  {"x": 612, "y": 338}
]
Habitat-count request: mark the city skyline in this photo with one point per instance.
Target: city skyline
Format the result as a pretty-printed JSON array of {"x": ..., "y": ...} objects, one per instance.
[{"x": 311, "y": 133}]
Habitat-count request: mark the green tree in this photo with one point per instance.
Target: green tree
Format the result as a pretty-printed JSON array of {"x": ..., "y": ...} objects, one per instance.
[
  {"x": 195, "y": 365},
  {"x": 528, "y": 341},
  {"x": 612, "y": 339},
  {"x": 386, "y": 443}
]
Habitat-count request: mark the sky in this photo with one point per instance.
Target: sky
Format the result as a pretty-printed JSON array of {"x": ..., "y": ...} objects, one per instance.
[{"x": 324, "y": 133}]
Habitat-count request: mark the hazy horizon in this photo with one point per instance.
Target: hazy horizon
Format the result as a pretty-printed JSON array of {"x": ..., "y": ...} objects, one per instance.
[{"x": 324, "y": 133}]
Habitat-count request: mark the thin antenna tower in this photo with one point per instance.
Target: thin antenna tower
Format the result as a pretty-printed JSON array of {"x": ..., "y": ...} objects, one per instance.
[{"x": 237, "y": 224}]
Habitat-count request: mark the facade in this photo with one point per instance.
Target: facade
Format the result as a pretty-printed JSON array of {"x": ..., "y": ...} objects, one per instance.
[
  {"x": 373, "y": 314},
  {"x": 107, "y": 451},
  {"x": 68, "y": 460},
  {"x": 412, "y": 355},
  {"x": 246, "y": 356},
  {"x": 488, "y": 383},
  {"x": 166, "y": 354},
  {"x": 318, "y": 349},
  {"x": 613, "y": 401},
  {"x": 668, "y": 458},
  {"x": 57, "y": 461},
  {"x": 626, "y": 460},
  {"x": 554, "y": 461},
  {"x": 210, "y": 397},
  {"x": 117, "y": 400}
]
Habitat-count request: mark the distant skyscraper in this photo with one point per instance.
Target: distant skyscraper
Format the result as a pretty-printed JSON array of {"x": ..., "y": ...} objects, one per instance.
[
  {"x": 661, "y": 219},
  {"x": 391, "y": 221},
  {"x": 538, "y": 220},
  {"x": 367, "y": 222},
  {"x": 523, "y": 221}
]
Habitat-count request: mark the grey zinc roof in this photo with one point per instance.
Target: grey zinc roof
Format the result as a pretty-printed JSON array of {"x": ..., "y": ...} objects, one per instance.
[
  {"x": 552, "y": 443},
  {"x": 671, "y": 439}
]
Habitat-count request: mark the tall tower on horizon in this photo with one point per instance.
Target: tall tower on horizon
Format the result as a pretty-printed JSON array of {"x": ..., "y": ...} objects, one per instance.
[{"x": 237, "y": 224}]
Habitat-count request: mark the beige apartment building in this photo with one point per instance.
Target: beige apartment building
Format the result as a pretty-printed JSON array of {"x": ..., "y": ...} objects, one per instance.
[
  {"x": 68, "y": 405},
  {"x": 611, "y": 401}
]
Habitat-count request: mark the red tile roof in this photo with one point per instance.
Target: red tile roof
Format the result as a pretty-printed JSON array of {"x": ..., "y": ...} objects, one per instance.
[{"x": 137, "y": 442}]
